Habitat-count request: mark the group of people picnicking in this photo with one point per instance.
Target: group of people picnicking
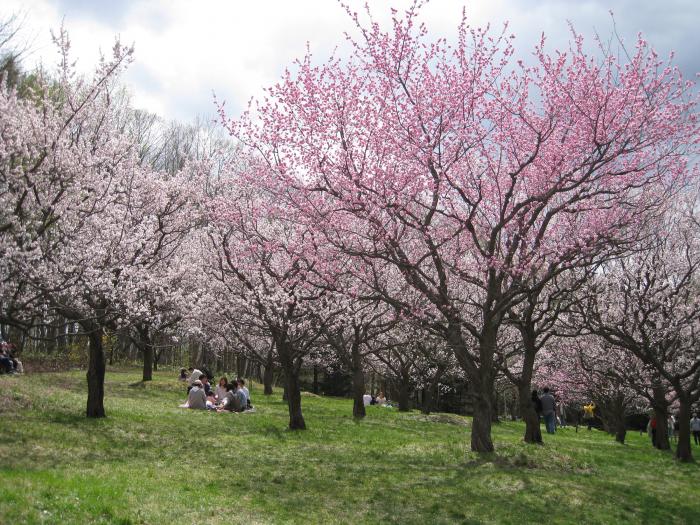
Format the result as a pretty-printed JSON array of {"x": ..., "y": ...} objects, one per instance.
[
  {"x": 227, "y": 396},
  {"x": 379, "y": 399},
  {"x": 9, "y": 364}
]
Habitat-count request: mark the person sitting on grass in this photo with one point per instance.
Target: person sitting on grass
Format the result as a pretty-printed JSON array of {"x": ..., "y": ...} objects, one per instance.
[
  {"x": 220, "y": 391},
  {"x": 234, "y": 400},
  {"x": 381, "y": 400},
  {"x": 244, "y": 389},
  {"x": 208, "y": 391},
  {"x": 183, "y": 374},
  {"x": 205, "y": 385},
  {"x": 242, "y": 396},
  {"x": 5, "y": 363},
  {"x": 196, "y": 398}
]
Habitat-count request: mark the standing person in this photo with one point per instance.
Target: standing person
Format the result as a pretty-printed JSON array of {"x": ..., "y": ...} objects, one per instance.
[
  {"x": 589, "y": 413},
  {"x": 562, "y": 415},
  {"x": 548, "y": 410},
  {"x": 670, "y": 425},
  {"x": 695, "y": 428},
  {"x": 652, "y": 429},
  {"x": 676, "y": 428}
]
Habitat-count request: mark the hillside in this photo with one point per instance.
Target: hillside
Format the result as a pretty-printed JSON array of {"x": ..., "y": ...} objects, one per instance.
[{"x": 152, "y": 462}]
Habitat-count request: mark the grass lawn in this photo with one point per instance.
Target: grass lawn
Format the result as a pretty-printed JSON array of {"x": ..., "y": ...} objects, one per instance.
[{"x": 151, "y": 462}]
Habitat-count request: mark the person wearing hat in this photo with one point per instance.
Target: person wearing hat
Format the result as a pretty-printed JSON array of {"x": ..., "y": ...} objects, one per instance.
[{"x": 196, "y": 398}]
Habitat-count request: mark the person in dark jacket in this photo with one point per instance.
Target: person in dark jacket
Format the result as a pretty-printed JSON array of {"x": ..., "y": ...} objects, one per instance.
[{"x": 548, "y": 410}]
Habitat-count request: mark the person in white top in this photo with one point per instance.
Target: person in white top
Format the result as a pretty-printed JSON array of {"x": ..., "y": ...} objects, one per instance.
[
  {"x": 196, "y": 398},
  {"x": 220, "y": 391},
  {"x": 670, "y": 424},
  {"x": 366, "y": 400},
  {"x": 194, "y": 375},
  {"x": 695, "y": 428},
  {"x": 381, "y": 400}
]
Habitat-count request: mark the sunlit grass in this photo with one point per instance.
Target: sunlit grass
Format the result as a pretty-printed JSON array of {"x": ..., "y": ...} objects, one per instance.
[{"x": 151, "y": 462}]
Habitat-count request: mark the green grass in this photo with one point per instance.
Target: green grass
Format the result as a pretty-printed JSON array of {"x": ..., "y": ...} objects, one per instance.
[{"x": 151, "y": 462}]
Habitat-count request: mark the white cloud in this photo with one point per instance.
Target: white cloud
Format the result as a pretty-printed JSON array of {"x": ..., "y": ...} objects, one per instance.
[{"x": 185, "y": 50}]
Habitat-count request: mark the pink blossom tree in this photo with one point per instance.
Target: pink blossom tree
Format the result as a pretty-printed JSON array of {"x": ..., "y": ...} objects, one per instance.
[
  {"x": 474, "y": 177},
  {"x": 265, "y": 263},
  {"x": 351, "y": 339}
]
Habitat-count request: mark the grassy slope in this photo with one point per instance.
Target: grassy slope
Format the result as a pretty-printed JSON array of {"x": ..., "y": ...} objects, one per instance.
[{"x": 151, "y": 462}]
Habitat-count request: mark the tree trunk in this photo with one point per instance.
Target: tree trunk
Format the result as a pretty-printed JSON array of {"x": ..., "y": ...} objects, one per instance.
[
  {"x": 533, "y": 431},
  {"x": 291, "y": 367},
  {"x": 293, "y": 391},
  {"x": 358, "y": 381},
  {"x": 315, "y": 383},
  {"x": 494, "y": 407},
  {"x": 481, "y": 421},
  {"x": 240, "y": 365},
  {"x": 268, "y": 377},
  {"x": 620, "y": 431},
  {"x": 285, "y": 386},
  {"x": 661, "y": 414},
  {"x": 147, "y": 349},
  {"x": 619, "y": 417},
  {"x": 482, "y": 383},
  {"x": 683, "y": 450},
  {"x": 269, "y": 372},
  {"x": 404, "y": 395},
  {"x": 358, "y": 392},
  {"x": 296, "y": 419},
  {"x": 429, "y": 393},
  {"x": 147, "y": 362},
  {"x": 95, "y": 373},
  {"x": 661, "y": 439},
  {"x": 427, "y": 403}
]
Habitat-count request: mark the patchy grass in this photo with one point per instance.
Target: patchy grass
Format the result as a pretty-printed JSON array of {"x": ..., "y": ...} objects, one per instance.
[{"x": 151, "y": 462}]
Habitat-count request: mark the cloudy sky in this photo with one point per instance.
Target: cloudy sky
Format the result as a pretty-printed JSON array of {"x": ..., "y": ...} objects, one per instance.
[{"x": 185, "y": 50}]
